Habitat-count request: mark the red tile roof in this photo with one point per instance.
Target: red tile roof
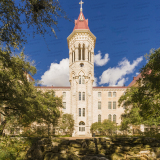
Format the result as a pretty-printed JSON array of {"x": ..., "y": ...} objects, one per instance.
[
  {"x": 134, "y": 80},
  {"x": 81, "y": 23}
]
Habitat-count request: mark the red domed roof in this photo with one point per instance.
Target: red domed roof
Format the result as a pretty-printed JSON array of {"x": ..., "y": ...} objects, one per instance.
[{"x": 81, "y": 22}]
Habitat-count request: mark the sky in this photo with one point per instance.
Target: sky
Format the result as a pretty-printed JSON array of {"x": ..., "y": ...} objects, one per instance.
[{"x": 125, "y": 30}]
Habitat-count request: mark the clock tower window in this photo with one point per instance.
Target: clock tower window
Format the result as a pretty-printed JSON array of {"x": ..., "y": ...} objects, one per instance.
[
  {"x": 83, "y": 52},
  {"x": 79, "y": 52}
]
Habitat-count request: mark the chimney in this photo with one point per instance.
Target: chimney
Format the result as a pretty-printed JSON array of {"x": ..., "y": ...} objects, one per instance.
[{"x": 134, "y": 78}]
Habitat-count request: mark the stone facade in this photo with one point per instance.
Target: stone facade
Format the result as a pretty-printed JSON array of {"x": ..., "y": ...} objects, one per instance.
[{"x": 88, "y": 104}]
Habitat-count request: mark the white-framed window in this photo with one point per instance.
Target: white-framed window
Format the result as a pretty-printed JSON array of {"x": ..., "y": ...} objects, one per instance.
[
  {"x": 83, "y": 80},
  {"x": 99, "y": 118},
  {"x": 83, "y": 96},
  {"x": 64, "y": 105},
  {"x": 83, "y": 112},
  {"x": 64, "y": 94},
  {"x": 124, "y": 93},
  {"x": 99, "y": 104},
  {"x": 82, "y": 129},
  {"x": 114, "y": 94},
  {"x": 79, "y": 96},
  {"x": 99, "y": 94},
  {"x": 114, "y": 104},
  {"x": 109, "y": 105},
  {"x": 114, "y": 118},
  {"x": 109, "y": 94},
  {"x": 79, "y": 112},
  {"x": 79, "y": 79},
  {"x": 110, "y": 117},
  {"x": 124, "y": 107}
]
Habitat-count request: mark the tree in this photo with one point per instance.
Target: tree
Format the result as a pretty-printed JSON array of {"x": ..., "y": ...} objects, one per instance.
[
  {"x": 104, "y": 128},
  {"x": 108, "y": 126},
  {"x": 95, "y": 127},
  {"x": 19, "y": 99},
  {"x": 67, "y": 123},
  {"x": 35, "y": 14},
  {"x": 143, "y": 101}
]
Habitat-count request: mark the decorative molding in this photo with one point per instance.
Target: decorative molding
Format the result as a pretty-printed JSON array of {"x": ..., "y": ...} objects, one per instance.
[{"x": 109, "y": 89}]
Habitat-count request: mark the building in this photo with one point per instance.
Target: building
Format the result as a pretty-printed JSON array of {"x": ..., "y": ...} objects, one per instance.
[{"x": 88, "y": 104}]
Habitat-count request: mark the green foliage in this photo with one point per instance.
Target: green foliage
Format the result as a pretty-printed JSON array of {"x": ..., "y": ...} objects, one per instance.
[
  {"x": 13, "y": 148},
  {"x": 34, "y": 14},
  {"x": 143, "y": 100},
  {"x": 23, "y": 103},
  {"x": 67, "y": 123},
  {"x": 106, "y": 127}
]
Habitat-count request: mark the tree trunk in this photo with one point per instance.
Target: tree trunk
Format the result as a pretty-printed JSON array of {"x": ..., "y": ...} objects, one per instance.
[{"x": 3, "y": 124}]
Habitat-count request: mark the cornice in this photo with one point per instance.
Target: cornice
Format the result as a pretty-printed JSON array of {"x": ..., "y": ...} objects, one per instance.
[
  {"x": 109, "y": 89},
  {"x": 81, "y": 31}
]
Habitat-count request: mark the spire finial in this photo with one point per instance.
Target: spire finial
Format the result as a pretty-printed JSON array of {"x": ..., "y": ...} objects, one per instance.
[{"x": 81, "y": 5}]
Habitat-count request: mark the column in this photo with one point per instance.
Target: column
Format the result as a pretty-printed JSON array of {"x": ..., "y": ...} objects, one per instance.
[{"x": 86, "y": 54}]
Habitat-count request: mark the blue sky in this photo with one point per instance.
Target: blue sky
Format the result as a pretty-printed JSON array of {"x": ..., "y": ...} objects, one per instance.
[{"x": 125, "y": 31}]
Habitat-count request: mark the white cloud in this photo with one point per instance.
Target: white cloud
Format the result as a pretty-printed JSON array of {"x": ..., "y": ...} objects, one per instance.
[
  {"x": 137, "y": 73},
  {"x": 122, "y": 81},
  {"x": 116, "y": 75},
  {"x": 57, "y": 75},
  {"x": 98, "y": 59},
  {"x": 95, "y": 82}
]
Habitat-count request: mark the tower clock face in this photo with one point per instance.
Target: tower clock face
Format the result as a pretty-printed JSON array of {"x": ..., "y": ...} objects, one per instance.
[{"x": 81, "y": 64}]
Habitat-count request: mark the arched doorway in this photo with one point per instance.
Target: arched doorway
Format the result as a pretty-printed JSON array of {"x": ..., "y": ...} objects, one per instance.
[{"x": 81, "y": 128}]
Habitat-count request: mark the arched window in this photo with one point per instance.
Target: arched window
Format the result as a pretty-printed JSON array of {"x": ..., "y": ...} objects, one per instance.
[
  {"x": 109, "y": 117},
  {"x": 99, "y": 118},
  {"x": 79, "y": 79},
  {"x": 83, "y": 52},
  {"x": 81, "y": 123},
  {"x": 82, "y": 129},
  {"x": 72, "y": 57},
  {"x": 114, "y": 118},
  {"x": 82, "y": 79},
  {"x": 79, "y": 52},
  {"x": 90, "y": 56}
]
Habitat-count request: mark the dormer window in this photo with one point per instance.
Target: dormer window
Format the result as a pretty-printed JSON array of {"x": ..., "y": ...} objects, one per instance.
[{"x": 81, "y": 64}]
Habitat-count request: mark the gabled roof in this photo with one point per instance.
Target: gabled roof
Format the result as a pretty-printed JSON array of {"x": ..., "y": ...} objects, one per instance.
[
  {"x": 81, "y": 22},
  {"x": 135, "y": 80}
]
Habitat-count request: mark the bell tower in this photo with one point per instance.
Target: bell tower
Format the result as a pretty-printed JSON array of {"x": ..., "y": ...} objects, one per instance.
[{"x": 81, "y": 44}]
